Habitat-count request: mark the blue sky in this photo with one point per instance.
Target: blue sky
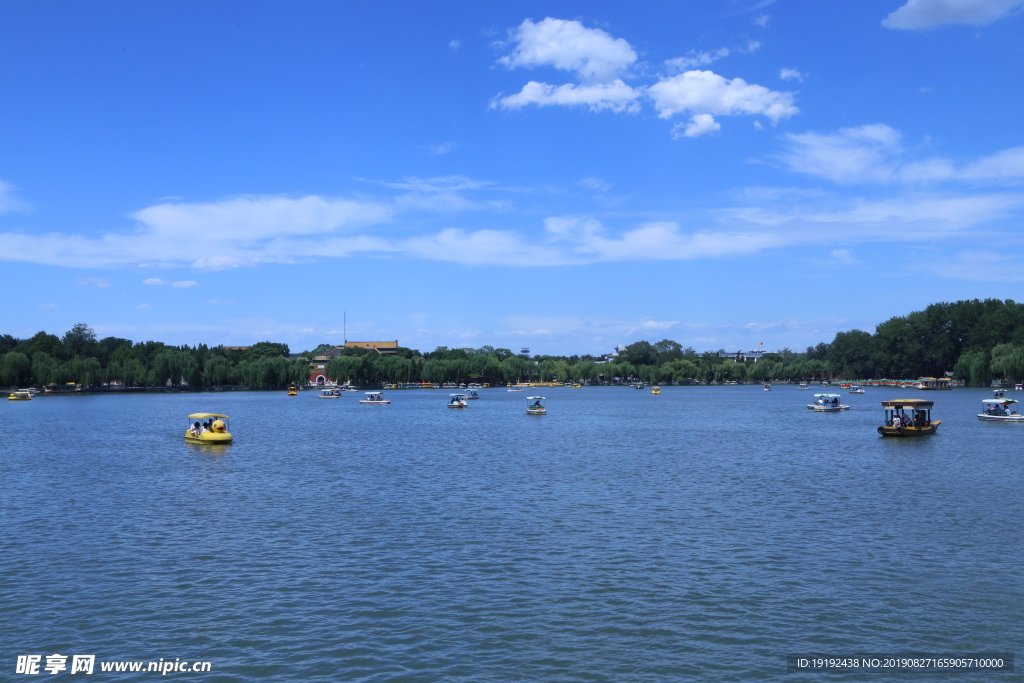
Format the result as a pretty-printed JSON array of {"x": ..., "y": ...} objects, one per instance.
[{"x": 564, "y": 176}]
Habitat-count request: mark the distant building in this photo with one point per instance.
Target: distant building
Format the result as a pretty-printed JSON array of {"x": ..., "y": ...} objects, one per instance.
[
  {"x": 318, "y": 366},
  {"x": 741, "y": 357},
  {"x": 318, "y": 370},
  {"x": 619, "y": 348},
  {"x": 382, "y": 347}
]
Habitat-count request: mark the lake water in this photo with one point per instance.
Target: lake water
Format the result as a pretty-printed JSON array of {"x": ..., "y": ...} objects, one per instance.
[{"x": 702, "y": 534}]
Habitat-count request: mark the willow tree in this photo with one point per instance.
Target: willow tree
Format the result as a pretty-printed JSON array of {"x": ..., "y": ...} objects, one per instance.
[
  {"x": 15, "y": 368},
  {"x": 44, "y": 368}
]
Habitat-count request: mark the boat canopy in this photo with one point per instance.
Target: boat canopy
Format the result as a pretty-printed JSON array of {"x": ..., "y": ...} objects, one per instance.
[
  {"x": 907, "y": 403},
  {"x": 371, "y": 393},
  {"x": 203, "y": 416},
  {"x": 457, "y": 395},
  {"x": 535, "y": 398},
  {"x": 998, "y": 401},
  {"x": 826, "y": 396}
]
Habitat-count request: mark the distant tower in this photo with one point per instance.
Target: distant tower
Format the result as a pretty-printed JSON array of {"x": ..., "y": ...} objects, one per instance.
[{"x": 525, "y": 350}]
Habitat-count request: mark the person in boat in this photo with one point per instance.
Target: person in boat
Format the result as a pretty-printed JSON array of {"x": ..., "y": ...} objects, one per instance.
[
  {"x": 896, "y": 422},
  {"x": 195, "y": 429},
  {"x": 536, "y": 404}
]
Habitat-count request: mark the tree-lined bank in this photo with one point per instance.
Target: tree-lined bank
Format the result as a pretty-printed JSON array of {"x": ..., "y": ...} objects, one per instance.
[{"x": 977, "y": 340}]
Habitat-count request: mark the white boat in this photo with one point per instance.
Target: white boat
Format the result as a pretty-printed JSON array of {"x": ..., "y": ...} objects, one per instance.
[
  {"x": 472, "y": 394},
  {"x": 329, "y": 393},
  {"x": 767, "y": 387},
  {"x": 803, "y": 386},
  {"x": 535, "y": 405},
  {"x": 515, "y": 388},
  {"x": 374, "y": 398},
  {"x": 1000, "y": 409},
  {"x": 856, "y": 389},
  {"x": 827, "y": 403},
  {"x": 1018, "y": 387},
  {"x": 457, "y": 401}
]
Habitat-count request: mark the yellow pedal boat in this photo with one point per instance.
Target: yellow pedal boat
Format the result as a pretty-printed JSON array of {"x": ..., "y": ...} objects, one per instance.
[
  {"x": 208, "y": 428},
  {"x": 656, "y": 390},
  {"x": 293, "y": 390},
  {"x": 20, "y": 396},
  {"x": 908, "y": 417}
]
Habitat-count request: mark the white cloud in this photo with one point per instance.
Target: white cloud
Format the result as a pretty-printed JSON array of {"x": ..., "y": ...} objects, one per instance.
[
  {"x": 980, "y": 266},
  {"x": 595, "y": 184},
  {"x": 442, "y": 148},
  {"x": 761, "y": 20},
  {"x": 47, "y": 306},
  {"x": 874, "y": 154},
  {"x": 1007, "y": 165},
  {"x": 178, "y": 284},
  {"x": 449, "y": 183},
  {"x": 705, "y": 92},
  {"x": 98, "y": 282},
  {"x": 226, "y": 303},
  {"x": 455, "y": 44},
  {"x": 694, "y": 58},
  {"x": 700, "y": 124},
  {"x": 791, "y": 75},
  {"x": 591, "y": 53},
  {"x": 254, "y": 218},
  {"x": 925, "y": 14},
  {"x": 843, "y": 256},
  {"x": 8, "y": 202},
  {"x": 143, "y": 307},
  {"x": 600, "y": 63},
  {"x": 615, "y": 96}
]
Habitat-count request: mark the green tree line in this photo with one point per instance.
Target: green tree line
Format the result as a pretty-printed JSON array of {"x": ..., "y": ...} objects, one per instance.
[
  {"x": 79, "y": 357},
  {"x": 977, "y": 340}
]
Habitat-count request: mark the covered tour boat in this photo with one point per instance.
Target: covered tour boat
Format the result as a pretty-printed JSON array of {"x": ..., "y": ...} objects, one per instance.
[
  {"x": 827, "y": 403},
  {"x": 208, "y": 428},
  {"x": 803, "y": 386},
  {"x": 1000, "y": 409},
  {"x": 472, "y": 394},
  {"x": 934, "y": 384},
  {"x": 457, "y": 401},
  {"x": 856, "y": 389},
  {"x": 374, "y": 398},
  {"x": 293, "y": 390},
  {"x": 330, "y": 393},
  {"x": 20, "y": 396},
  {"x": 656, "y": 390},
  {"x": 766, "y": 387},
  {"x": 535, "y": 405},
  {"x": 908, "y": 417}
]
